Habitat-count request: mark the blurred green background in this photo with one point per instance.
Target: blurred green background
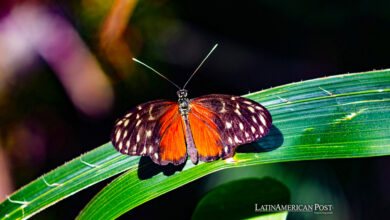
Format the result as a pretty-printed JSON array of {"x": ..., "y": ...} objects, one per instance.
[{"x": 66, "y": 74}]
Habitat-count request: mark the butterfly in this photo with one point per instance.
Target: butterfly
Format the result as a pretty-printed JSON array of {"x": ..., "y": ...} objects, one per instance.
[{"x": 205, "y": 128}]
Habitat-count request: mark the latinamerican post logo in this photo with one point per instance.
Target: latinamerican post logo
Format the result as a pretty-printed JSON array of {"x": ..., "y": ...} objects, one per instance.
[{"x": 323, "y": 209}]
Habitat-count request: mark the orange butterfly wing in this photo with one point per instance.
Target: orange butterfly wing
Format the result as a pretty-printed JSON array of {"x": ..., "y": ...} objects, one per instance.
[
  {"x": 153, "y": 129},
  {"x": 172, "y": 145},
  {"x": 205, "y": 133},
  {"x": 220, "y": 123}
]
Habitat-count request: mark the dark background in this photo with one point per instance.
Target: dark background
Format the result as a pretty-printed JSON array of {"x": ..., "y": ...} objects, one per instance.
[{"x": 262, "y": 44}]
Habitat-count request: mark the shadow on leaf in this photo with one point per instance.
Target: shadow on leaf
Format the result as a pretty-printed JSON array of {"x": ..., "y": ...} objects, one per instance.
[
  {"x": 147, "y": 168},
  {"x": 273, "y": 140}
]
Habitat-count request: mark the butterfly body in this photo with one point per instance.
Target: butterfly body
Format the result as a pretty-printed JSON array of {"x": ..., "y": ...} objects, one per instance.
[{"x": 204, "y": 128}]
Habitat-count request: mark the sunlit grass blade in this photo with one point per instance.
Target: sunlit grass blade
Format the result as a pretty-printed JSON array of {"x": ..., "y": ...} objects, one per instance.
[
  {"x": 344, "y": 116},
  {"x": 272, "y": 216},
  {"x": 335, "y": 117},
  {"x": 65, "y": 181}
]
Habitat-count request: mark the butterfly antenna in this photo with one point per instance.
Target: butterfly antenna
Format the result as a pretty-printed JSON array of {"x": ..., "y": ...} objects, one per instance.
[
  {"x": 215, "y": 46},
  {"x": 157, "y": 72}
]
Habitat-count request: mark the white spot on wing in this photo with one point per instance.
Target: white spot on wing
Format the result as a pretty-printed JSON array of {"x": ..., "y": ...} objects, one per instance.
[
  {"x": 118, "y": 134},
  {"x": 139, "y": 107},
  {"x": 223, "y": 110},
  {"x": 135, "y": 148},
  {"x": 253, "y": 129},
  {"x": 237, "y": 106},
  {"x": 128, "y": 144},
  {"x": 254, "y": 119},
  {"x": 126, "y": 123},
  {"x": 228, "y": 125},
  {"x": 241, "y": 126},
  {"x": 125, "y": 134},
  {"x": 258, "y": 107},
  {"x": 137, "y": 117},
  {"x": 237, "y": 140},
  {"x": 150, "y": 113},
  {"x": 232, "y": 98},
  {"x": 150, "y": 149},
  {"x": 148, "y": 133},
  {"x": 248, "y": 102},
  {"x": 138, "y": 137},
  {"x": 230, "y": 140},
  {"x": 261, "y": 129},
  {"x": 251, "y": 109},
  {"x": 237, "y": 111},
  {"x": 156, "y": 155},
  {"x": 138, "y": 122},
  {"x": 226, "y": 149},
  {"x": 120, "y": 145},
  {"x": 128, "y": 115},
  {"x": 119, "y": 122},
  {"x": 262, "y": 119}
]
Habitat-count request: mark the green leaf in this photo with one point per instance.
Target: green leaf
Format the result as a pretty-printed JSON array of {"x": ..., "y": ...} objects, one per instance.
[
  {"x": 66, "y": 180},
  {"x": 239, "y": 199},
  {"x": 312, "y": 125},
  {"x": 273, "y": 216},
  {"x": 342, "y": 116}
]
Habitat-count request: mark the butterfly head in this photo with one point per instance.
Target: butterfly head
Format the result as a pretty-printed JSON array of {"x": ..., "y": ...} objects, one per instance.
[
  {"x": 184, "y": 106},
  {"x": 182, "y": 93}
]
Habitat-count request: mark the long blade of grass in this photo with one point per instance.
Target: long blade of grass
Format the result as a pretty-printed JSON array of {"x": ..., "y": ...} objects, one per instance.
[
  {"x": 360, "y": 104},
  {"x": 66, "y": 180},
  {"x": 345, "y": 116}
]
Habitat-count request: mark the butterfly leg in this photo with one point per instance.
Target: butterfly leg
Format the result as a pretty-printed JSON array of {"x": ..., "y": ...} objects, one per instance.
[{"x": 191, "y": 149}]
